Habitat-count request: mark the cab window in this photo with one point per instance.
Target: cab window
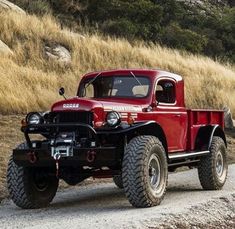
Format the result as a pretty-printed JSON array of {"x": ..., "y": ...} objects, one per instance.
[
  {"x": 116, "y": 86},
  {"x": 165, "y": 91}
]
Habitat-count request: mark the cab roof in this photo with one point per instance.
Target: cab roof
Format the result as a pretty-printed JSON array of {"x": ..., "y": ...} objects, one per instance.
[{"x": 148, "y": 72}]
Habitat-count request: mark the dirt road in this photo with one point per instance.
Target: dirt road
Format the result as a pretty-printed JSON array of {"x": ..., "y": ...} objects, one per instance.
[{"x": 186, "y": 205}]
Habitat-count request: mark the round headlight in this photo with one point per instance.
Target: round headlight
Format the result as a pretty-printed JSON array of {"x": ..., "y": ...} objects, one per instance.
[
  {"x": 34, "y": 118},
  {"x": 113, "y": 118}
]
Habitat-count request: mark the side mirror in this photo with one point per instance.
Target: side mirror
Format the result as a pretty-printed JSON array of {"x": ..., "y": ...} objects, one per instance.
[{"x": 61, "y": 92}]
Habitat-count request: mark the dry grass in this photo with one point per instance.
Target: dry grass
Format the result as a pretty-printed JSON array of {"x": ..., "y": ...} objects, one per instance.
[{"x": 28, "y": 81}]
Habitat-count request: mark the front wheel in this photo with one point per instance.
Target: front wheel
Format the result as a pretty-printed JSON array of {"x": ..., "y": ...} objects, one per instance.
[
  {"x": 213, "y": 168},
  {"x": 144, "y": 171},
  {"x": 31, "y": 187}
]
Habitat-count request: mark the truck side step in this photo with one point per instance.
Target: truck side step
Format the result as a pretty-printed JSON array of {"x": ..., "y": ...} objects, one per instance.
[
  {"x": 186, "y": 155},
  {"x": 182, "y": 163}
]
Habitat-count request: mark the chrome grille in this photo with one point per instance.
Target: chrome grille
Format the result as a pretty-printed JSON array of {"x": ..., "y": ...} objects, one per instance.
[{"x": 71, "y": 117}]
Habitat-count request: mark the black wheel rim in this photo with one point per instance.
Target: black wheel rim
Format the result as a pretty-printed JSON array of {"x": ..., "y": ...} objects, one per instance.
[
  {"x": 156, "y": 175},
  {"x": 40, "y": 180},
  {"x": 154, "y": 172}
]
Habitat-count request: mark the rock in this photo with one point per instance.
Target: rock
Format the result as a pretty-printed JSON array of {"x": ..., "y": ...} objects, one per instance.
[
  {"x": 6, "y": 5},
  {"x": 59, "y": 53},
  {"x": 4, "y": 48},
  {"x": 228, "y": 120}
]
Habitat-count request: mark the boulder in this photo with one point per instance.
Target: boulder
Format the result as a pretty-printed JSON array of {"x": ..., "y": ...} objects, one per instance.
[
  {"x": 228, "y": 120},
  {"x": 4, "y": 48},
  {"x": 58, "y": 53},
  {"x": 6, "y": 5}
]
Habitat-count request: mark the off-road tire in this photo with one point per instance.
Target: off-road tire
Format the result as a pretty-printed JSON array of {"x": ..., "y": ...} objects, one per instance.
[
  {"x": 136, "y": 173},
  {"x": 118, "y": 181},
  {"x": 209, "y": 177},
  {"x": 22, "y": 188}
]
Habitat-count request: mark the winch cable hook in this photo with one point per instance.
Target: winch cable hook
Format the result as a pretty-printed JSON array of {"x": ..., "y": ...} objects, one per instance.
[{"x": 57, "y": 158}]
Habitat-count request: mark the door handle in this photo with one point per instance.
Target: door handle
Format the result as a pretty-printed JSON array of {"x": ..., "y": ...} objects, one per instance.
[{"x": 177, "y": 115}]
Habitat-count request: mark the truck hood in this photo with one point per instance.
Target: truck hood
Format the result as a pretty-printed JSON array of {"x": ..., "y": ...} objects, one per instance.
[
  {"x": 85, "y": 104},
  {"x": 76, "y": 104}
]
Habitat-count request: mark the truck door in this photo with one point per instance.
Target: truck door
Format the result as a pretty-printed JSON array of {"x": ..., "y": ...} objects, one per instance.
[{"x": 169, "y": 115}]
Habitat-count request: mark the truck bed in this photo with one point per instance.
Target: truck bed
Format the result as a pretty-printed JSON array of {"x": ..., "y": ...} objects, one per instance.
[{"x": 198, "y": 118}]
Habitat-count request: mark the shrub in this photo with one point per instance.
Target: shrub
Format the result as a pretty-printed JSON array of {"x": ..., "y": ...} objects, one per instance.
[
  {"x": 122, "y": 28},
  {"x": 39, "y": 7},
  {"x": 175, "y": 36}
]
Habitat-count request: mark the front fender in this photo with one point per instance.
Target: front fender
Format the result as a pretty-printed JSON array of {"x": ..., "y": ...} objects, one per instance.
[{"x": 140, "y": 128}]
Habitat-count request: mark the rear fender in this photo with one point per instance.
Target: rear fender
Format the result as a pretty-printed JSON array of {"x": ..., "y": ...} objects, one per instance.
[{"x": 205, "y": 136}]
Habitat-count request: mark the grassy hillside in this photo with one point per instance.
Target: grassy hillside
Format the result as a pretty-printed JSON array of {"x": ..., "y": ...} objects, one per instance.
[
  {"x": 29, "y": 81},
  {"x": 199, "y": 26}
]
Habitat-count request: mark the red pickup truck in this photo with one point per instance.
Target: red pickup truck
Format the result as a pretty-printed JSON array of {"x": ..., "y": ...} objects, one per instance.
[{"x": 131, "y": 125}]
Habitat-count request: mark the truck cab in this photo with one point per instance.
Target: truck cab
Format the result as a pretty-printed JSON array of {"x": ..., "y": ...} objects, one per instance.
[{"x": 129, "y": 124}]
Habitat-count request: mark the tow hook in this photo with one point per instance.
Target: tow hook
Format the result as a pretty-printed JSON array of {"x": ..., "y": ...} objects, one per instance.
[
  {"x": 32, "y": 157},
  {"x": 57, "y": 157},
  {"x": 91, "y": 156}
]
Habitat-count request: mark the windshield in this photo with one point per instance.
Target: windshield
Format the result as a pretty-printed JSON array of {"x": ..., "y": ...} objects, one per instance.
[{"x": 115, "y": 86}]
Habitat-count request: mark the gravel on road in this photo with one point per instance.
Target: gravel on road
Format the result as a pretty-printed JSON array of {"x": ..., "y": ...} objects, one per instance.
[{"x": 103, "y": 205}]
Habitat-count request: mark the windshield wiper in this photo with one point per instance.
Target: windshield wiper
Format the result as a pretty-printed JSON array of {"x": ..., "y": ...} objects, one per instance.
[
  {"x": 91, "y": 81},
  {"x": 142, "y": 88},
  {"x": 136, "y": 78}
]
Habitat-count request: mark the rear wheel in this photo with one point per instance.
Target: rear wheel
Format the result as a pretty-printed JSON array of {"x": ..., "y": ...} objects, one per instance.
[
  {"x": 213, "y": 168},
  {"x": 30, "y": 187},
  {"x": 144, "y": 171}
]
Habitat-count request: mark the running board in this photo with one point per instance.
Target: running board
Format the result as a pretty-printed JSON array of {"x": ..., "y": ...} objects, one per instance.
[
  {"x": 182, "y": 163},
  {"x": 186, "y": 155}
]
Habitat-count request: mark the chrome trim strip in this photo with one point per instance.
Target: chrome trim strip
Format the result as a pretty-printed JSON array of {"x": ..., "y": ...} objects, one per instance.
[{"x": 187, "y": 154}]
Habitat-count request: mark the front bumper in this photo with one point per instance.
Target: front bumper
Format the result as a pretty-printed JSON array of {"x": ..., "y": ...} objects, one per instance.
[
  {"x": 48, "y": 129},
  {"x": 41, "y": 154},
  {"x": 103, "y": 156}
]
